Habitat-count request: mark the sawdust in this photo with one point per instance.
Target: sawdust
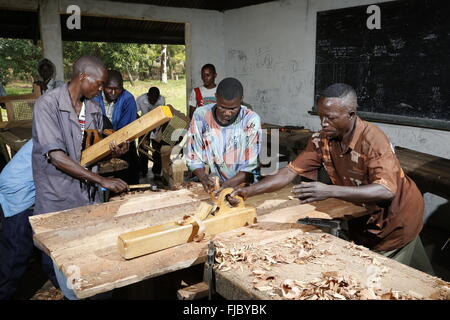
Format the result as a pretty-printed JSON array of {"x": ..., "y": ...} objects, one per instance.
[{"x": 261, "y": 261}]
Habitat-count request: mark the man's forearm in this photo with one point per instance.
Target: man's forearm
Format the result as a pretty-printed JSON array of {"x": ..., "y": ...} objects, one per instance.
[
  {"x": 191, "y": 111},
  {"x": 272, "y": 183},
  {"x": 368, "y": 193},
  {"x": 61, "y": 161},
  {"x": 239, "y": 178},
  {"x": 200, "y": 173}
]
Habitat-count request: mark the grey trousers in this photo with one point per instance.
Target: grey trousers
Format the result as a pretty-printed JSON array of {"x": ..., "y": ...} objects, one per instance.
[{"x": 413, "y": 255}]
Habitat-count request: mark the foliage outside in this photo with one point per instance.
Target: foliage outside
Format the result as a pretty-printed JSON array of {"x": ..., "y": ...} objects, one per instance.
[{"x": 140, "y": 65}]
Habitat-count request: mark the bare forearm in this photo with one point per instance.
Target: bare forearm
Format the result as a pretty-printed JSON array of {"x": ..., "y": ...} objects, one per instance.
[
  {"x": 200, "y": 173},
  {"x": 239, "y": 178},
  {"x": 61, "y": 161},
  {"x": 368, "y": 193},
  {"x": 191, "y": 111}
]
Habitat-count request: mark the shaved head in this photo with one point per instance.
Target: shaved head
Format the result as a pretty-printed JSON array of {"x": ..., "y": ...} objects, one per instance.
[
  {"x": 90, "y": 75},
  {"x": 344, "y": 92},
  {"x": 89, "y": 65}
]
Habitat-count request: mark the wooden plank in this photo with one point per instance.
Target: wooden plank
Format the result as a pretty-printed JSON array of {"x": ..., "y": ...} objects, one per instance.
[
  {"x": 137, "y": 128},
  {"x": 16, "y": 124},
  {"x": 140, "y": 242},
  {"x": 86, "y": 237},
  {"x": 11, "y": 98},
  {"x": 194, "y": 292}
]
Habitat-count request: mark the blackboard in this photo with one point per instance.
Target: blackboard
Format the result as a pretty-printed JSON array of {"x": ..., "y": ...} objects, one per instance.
[{"x": 401, "y": 72}]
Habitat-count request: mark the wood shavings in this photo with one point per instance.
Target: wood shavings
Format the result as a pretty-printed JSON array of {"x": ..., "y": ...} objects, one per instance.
[
  {"x": 290, "y": 290},
  {"x": 201, "y": 230},
  {"x": 264, "y": 288},
  {"x": 331, "y": 286}
]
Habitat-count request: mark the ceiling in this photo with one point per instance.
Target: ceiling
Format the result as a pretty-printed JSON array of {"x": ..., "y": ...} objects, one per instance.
[
  {"x": 25, "y": 24},
  {"x": 201, "y": 4}
]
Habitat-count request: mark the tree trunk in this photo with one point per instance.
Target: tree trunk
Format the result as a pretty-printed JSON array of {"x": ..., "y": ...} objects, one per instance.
[
  {"x": 150, "y": 70},
  {"x": 164, "y": 63},
  {"x": 130, "y": 77},
  {"x": 171, "y": 68}
]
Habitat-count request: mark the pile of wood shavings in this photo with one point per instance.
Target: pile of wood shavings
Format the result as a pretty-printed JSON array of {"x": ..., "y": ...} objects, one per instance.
[
  {"x": 334, "y": 287},
  {"x": 303, "y": 250}
]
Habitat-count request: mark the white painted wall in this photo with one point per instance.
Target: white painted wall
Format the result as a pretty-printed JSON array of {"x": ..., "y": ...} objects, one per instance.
[{"x": 271, "y": 49}]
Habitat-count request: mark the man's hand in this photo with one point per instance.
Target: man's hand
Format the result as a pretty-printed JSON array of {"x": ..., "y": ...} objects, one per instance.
[
  {"x": 241, "y": 192},
  {"x": 119, "y": 150},
  {"x": 208, "y": 183},
  {"x": 312, "y": 191},
  {"x": 114, "y": 184}
]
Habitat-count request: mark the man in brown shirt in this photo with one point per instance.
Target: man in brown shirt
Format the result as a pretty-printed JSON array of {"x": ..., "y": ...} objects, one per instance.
[{"x": 363, "y": 168}]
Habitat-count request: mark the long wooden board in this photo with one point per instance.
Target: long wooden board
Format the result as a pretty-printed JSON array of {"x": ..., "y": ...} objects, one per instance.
[
  {"x": 86, "y": 237},
  {"x": 137, "y": 128},
  {"x": 140, "y": 242}
]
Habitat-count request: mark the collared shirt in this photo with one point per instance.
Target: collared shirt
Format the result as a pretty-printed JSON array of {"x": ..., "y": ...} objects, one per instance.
[
  {"x": 227, "y": 150},
  {"x": 56, "y": 127},
  {"x": 109, "y": 107},
  {"x": 124, "y": 111},
  {"x": 369, "y": 158},
  {"x": 53, "y": 84},
  {"x": 144, "y": 106},
  {"x": 17, "y": 191}
]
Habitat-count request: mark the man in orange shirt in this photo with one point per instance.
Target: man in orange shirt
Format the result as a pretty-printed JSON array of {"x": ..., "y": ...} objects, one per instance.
[{"x": 363, "y": 168}]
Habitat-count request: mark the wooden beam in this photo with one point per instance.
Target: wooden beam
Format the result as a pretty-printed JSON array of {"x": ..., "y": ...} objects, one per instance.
[
  {"x": 137, "y": 128},
  {"x": 141, "y": 242},
  {"x": 16, "y": 124},
  {"x": 196, "y": 291}
]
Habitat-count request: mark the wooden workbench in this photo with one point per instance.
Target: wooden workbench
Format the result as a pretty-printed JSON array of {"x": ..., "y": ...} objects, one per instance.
[
  {"x": 262, "y": 258},
  {"x": 430, "y": 173},
  {"x": 86, "y": 237},
  {"x": 253, "y": 262}
]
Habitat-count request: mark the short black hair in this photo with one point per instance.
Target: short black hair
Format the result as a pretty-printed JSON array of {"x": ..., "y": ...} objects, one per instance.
[
  {"x": 230, "y": 88},
  {"x": 210, "y": 67},
  {"x": 153, "y": 91},
  {"x": 115, "y": 75},
  {"x": 341, "y": 91},
  {"x": 47, "y": 62},
  {"x": 337, "y": 90}
]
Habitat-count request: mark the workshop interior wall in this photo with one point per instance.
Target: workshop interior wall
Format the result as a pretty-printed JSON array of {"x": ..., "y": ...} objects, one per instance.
[{"x": 271, "y": 48}]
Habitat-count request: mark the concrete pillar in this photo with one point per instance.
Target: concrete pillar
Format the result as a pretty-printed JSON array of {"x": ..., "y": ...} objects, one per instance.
[
  {"x": 188, "y": 53},
  {"x": 50, "y": 28}
]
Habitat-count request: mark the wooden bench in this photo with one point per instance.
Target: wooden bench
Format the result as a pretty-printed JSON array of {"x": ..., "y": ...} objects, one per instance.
[
  {"x": 16, "y": 131},
  {"x": 430, "y": 173}
]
